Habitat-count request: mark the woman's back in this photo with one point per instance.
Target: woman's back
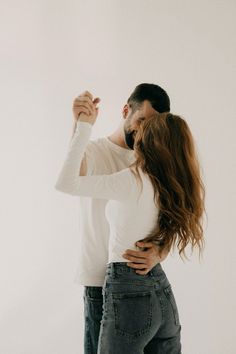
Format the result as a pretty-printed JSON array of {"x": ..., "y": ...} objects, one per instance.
[{"x": 131, "y": 218}]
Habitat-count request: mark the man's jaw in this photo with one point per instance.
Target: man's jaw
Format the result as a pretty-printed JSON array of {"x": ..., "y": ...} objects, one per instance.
[{"x": 129, "y": 139}]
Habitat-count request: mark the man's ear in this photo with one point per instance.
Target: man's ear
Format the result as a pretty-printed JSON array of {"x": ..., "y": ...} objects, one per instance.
[{"x": 125, "y": 110}]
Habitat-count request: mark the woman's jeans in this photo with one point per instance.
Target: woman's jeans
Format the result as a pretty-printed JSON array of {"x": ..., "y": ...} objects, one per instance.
[{"x": 139, "y": 314}]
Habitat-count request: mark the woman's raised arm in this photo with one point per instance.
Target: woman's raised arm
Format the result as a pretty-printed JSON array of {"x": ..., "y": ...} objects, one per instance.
[{"x": 117, "y": 186}]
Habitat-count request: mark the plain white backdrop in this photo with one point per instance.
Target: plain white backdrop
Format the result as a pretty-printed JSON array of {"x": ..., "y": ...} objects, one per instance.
[{"x": 51, "y": 51}]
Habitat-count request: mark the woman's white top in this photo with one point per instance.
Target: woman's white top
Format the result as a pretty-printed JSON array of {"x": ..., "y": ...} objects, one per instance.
[{"x": 130, "y": 212}]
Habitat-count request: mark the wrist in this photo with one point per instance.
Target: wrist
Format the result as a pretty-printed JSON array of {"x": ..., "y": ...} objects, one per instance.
[
  {"x": 83, "y": 126},
  {"x": 85, "y": 120}
]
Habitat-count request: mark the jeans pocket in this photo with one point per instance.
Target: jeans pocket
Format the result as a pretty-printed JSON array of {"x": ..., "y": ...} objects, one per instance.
[
  {"x": 133, "y": 313},
  {"x": 170, "y": 297},
  {"x": 93, "y": 294}
]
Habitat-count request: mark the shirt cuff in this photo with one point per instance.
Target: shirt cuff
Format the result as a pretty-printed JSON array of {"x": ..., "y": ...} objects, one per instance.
[{"x": 85, "y": 126}]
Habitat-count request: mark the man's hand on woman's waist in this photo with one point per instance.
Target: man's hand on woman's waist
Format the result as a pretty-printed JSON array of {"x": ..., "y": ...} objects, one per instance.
[{"x": 144, "y": 261}]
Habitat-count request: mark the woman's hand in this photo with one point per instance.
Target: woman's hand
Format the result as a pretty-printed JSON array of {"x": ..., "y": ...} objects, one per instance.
[{"x": 85, "y": 108}]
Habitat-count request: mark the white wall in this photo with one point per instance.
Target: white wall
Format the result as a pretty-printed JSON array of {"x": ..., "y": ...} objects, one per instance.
[{"x": 50, "y": 52}]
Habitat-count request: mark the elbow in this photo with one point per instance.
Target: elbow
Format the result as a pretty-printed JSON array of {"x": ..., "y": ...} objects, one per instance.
[
  {"x": 61, "y": 188},
  {"x": 58, "y": 187}
]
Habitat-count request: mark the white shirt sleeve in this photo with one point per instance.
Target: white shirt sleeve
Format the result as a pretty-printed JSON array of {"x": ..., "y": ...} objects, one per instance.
[{"x": 117, "y": 186}]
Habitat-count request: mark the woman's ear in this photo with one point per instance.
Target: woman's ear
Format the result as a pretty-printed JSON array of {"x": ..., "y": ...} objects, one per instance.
[{"x": 125, "y": 110}]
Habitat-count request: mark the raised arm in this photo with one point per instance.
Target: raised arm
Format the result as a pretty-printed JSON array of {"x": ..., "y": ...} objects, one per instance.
[
  {"x": 82, "y": 104},
  {"x": 117, "y": 186}
]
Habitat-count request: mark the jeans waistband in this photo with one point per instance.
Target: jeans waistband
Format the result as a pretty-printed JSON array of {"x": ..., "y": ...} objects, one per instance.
[{"x": 113, "y": 267}]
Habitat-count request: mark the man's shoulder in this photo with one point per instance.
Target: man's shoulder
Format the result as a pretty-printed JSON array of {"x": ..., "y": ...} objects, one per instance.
[
  {"x": 99, "y": 152},
  {"x": 98, "y": 143}
]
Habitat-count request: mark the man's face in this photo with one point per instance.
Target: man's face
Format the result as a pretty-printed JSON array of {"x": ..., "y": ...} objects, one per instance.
[{"x": 133, "y": 120}]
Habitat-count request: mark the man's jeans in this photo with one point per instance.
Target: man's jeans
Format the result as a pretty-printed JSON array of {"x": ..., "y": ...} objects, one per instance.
[
  {"x": 138, "y": 313},
  {"x": 93, "y": 301}
]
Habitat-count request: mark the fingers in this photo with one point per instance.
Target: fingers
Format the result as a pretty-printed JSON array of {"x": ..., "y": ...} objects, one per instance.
[
  {"x": 136, "y": 266},
  {"x": 135, "y": 259},
  {"x": 142, "y": 272},
  {"x": 145, "y": 244},
  {"x": 83, "y": 106},
  {"x": 138, "y": 254},
  {"x": 87, "y": 94},
  {"x": 88, "y": 97},
  {"x": 83, "y": 101},
  {"x": 140, "y": 269},
  {"x": 96, "y": 100},
  {"x": 82, "y": 109}
]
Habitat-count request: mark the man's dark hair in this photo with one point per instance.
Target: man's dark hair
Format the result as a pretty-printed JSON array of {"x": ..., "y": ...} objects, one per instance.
[{"x": 158, "y": 97}]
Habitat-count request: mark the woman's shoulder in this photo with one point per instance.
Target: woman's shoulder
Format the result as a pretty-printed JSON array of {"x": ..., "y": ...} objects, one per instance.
[{"x": 134, "y": 171}]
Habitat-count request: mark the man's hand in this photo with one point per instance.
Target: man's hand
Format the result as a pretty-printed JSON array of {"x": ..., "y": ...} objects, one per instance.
[
  {"x": 144, "y": 261},
  {"x": 84, "y": 107}
]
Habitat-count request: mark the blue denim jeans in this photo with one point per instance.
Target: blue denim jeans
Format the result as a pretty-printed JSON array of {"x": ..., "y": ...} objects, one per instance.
[
  {"x": 139, "y": 314},
  {"x": 93, "y": 302}
]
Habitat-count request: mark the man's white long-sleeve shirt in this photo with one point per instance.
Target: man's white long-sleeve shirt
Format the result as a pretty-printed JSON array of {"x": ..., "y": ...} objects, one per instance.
[{"x": 113, "y": 211}]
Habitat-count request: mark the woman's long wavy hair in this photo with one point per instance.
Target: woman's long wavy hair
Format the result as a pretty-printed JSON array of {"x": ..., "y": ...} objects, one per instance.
[{"x": 164, "y": 148}]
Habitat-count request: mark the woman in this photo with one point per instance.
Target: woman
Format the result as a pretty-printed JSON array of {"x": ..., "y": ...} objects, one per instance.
[{"x": 140, "y": 314}]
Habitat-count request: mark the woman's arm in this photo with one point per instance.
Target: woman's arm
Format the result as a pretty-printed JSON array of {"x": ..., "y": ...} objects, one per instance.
[
  {"x": 116, "y": 186},
  {"x": 87, "y": 164}
]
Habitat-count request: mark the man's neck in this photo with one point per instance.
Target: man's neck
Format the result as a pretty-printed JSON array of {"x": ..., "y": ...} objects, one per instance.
[{"x": 118, "y": 138}]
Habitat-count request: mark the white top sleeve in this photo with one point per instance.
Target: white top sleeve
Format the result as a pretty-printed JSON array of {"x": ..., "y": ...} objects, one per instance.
[
  {"x": 117, "y": 186},
  {"x": 88, "y": 154}
]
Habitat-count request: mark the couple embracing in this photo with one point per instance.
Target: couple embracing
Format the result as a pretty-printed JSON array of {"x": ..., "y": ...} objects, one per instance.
[{"x": 140, "y": 195}]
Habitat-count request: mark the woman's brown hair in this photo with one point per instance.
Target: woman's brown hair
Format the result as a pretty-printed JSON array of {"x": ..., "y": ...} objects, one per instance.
[{"x": 165, "y": 151}]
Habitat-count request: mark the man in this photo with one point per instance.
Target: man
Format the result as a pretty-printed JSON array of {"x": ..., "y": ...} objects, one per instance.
[{"x": 105, "y": 156}]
